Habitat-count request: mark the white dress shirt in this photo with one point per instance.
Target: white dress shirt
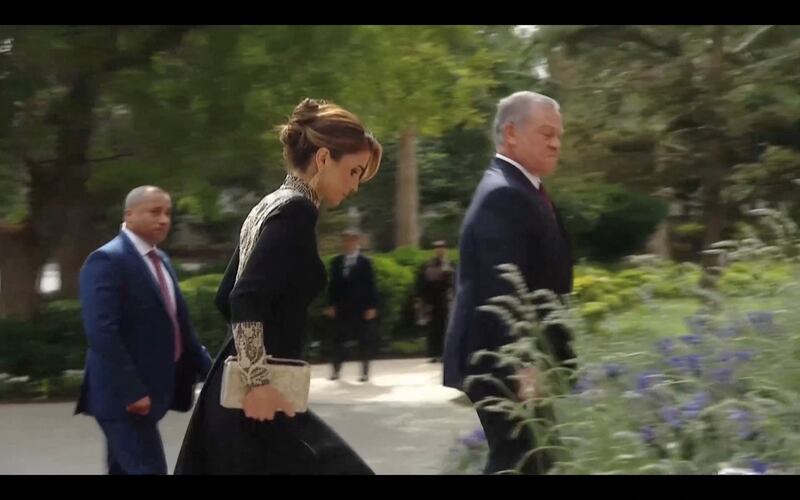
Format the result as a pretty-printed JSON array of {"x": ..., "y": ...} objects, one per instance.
[
  {"x": 533, "y": 178},
  {"x": 349, "y": 262},
  {"x": 144, "y": 248}
]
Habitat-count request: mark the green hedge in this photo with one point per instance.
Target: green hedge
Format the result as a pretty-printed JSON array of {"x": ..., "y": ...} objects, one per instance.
[
  {"x": 601, "y": 291},
  {"x": 45, "y": 347},
  {"x": 608, "y": 222},
  {"x": 208, "y": 323},
  {"x": 54, "y": 342}
]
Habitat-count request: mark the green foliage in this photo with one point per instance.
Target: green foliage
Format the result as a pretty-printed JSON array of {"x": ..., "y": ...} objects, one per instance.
[
  {"x": 718, "y": 400},
  {"x": 45, "y": 347},
  {"x": 209, "y": 325},
  {"x": 688, "y": 229},
  {"x": 428, "y": 77},
  {"x": 646, "y": 118},
  {"x": 607, "y": 222}
]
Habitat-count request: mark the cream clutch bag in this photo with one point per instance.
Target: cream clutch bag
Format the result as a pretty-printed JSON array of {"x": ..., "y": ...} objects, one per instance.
[{"x": 291, "y": 377}]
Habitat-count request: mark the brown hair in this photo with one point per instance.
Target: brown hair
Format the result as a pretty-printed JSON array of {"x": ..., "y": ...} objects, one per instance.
[{"x": 319, "y": 124}]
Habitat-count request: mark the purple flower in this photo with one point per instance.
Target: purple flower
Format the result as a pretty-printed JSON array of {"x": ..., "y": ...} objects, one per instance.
[
  {"x": 688, "y": 364},
  {"x": 739, "y": 415},
  {"x": 723, "y": 375},
  {"x": 648, "y": 434},
  {"x": 645, "y": 380},
  {"x": 696, "y": 324},
  {"x": 677, "y": 361},
  {"x": 693, "y": 339},
  {"x": 735, "y": 356},
  {"x": 692, "y": 408},
  {"x": 613, "y": 370},
  {"x": 672, "y": 416},
  {"x": 758, "y": 466},
  {"x": 728, "y": 331},
  {"x": 745, "y": 421},
  {"x": 693, "y": 364},
  {"x": 475, "y": 439},
  {"x": 582, "y": 385},
  {"x": 726, "y": 356},
  {"x": 665, "y": 346},
  {"x": 762, "y": 321}
]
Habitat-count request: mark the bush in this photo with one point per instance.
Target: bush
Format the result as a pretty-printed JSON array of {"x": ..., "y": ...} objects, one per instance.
[
  {"x": 608, "y": 222},
  {"x": 216, "y": 267},
  {"x": 11, "y": 390},
  {"x": 413, "y": 257},
  {"x": 407, "y": 348},
  {"x": 208, "y": 322},
  {"x": 47, "y": 345},
  {"x": 611, "y": 292},
  {"x": 754, "y": 278},
  {"x": 689, "y": 230},
  {"x": 394, "y": 287},
  {"x": 717, "y": 398},
  {"x": 410, "y": 256},
  {"x": 63, "y": 387}
]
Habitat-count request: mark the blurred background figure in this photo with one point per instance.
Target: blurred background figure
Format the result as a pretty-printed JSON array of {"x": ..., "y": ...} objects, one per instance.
[
  {"x": 352, "y": 304},
  {"x": 434, "y": 292}
]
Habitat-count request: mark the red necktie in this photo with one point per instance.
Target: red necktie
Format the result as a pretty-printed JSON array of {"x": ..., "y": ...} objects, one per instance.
[
  {"x": 547, "y": 199},
  {"x": 171, "y": 308}
]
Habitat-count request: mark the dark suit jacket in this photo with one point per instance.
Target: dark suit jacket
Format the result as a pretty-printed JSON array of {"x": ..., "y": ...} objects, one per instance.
[
  {"x": 508, "y": 222},
  {"x": 354, "y": 294},
  {"x": 131, "y": 338}
]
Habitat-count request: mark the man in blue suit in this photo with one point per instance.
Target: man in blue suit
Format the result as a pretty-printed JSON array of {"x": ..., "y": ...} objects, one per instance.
[
  {"x": 511, "y": 220},
  {"x": 144, "y": 357}
]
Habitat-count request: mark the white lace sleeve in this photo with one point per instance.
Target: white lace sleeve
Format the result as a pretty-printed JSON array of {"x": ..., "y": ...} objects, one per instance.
[{"x": 249, "y": 339}]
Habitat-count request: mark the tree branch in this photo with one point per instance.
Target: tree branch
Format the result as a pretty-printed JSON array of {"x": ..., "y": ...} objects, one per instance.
[
  {"x": 38, "y": 164},
  {"x": 109, "y": 158},
  {"x": 758, "y": 38},
  {"x": 593, "y": 33},
  {"x": 160, "y": 40}
]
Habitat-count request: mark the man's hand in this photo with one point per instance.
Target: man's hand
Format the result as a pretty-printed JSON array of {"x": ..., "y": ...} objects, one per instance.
[
  {"x": 330, "y": 312},
  {"x": 529, "y": 383},
  {"x": 370, "y": 314},
  {"x": 141, "y": 407}
]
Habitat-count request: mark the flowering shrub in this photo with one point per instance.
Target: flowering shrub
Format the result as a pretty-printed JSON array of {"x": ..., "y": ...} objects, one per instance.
[{"x": 720, "y": 396}]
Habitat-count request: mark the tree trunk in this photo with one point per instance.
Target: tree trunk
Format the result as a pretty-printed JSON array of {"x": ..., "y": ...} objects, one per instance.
[
  {"x": 80, "y": 238},
  {"x": 60, "y": 202},
  {"x": 61, "y": 207},
  {"x": 20, "y": 262},
  {"x": 407, "y": 192},
  {"x": 714, "y": 210}
]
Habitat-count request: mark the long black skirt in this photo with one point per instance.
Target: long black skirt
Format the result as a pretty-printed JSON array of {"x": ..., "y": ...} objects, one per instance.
[{"x": 223, "y": 441}]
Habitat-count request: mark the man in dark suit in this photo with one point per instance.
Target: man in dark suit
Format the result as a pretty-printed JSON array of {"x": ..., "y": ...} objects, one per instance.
[
  {"x": 352, "y": 303},
  {"x": 143, "y": 357},
  {"x": 511, "y": 220},
  {"x": 433, "y": 292}
]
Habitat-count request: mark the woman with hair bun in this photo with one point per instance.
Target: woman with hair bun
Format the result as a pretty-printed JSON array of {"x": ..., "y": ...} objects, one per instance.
[{"x": 271, "y": 280}]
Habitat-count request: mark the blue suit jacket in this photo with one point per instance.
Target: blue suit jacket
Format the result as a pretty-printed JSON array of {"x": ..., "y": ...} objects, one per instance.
[
  {"x": 508, "y": 222},
  {"x": 131, "y": 338}
]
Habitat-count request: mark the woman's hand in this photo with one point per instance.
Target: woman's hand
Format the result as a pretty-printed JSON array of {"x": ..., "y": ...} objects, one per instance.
[{"x": 264, "y": 401}]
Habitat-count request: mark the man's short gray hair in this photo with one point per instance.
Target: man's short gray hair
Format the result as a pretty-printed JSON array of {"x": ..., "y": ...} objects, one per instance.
[
  {"x": 138, "y": 195},
  {"x": 517, "y": 108}
]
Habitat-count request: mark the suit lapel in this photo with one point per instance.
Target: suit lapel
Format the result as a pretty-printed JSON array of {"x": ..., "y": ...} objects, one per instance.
[
  {"x": 519, "y": 178},
  {"x": 516, "y": 176},
  {"x": 136, "y": 257}
]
